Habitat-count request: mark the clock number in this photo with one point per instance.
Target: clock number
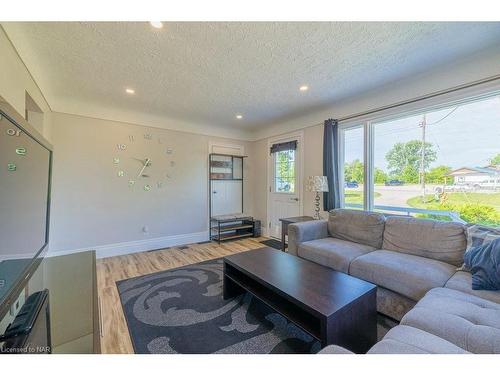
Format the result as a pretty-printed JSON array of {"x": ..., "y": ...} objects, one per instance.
[
  {"x": 121, "y": 173},
  {"x": 147, "y": 187},
  {"x": 13, "y": 132},
  {"x": 148, "y": 136},
  {"x": 121, "y": 146},
  {"x": 159, "y": 184},
  {"x": 11, "y": 167},
  {"x": 21, "y": 151},
  {"x": 131, "y": 183},
  {"x": 131, "y": 138},
  {"x": 116, "y": 160},
  {"x": 169, "y": 151}
]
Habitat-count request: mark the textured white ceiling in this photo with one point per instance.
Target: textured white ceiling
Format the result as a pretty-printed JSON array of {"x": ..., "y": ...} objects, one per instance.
[{"x": 206, "y": 72}]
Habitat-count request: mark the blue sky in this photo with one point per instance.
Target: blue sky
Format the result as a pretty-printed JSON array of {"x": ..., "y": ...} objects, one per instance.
[{"x": 467, "y": 137}]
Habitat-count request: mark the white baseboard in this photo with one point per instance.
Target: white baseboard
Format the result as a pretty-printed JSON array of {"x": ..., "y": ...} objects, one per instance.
[
  {"x": 123, "y": 248},
  {"x": 265, "y": 231}
]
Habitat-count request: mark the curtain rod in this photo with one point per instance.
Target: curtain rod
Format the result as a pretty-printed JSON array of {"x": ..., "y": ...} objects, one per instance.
[{"x": 423, "y": 97}]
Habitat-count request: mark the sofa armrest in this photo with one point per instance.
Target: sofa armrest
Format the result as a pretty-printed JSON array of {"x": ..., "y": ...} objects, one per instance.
[
  {"x": 334, "y": 349},
  {"x": 305, "y": 231}
]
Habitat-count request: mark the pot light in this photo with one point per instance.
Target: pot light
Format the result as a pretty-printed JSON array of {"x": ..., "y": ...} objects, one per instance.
[
  {"x": 130, "y": 91},
  {"x": 156, "y": 24},
  {"x": 239, "y": 117},
  {"x": 304, "y": 88}
]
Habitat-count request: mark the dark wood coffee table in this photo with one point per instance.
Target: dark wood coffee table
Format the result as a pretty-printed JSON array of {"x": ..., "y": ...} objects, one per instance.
[{"x": 333, "y": 307}]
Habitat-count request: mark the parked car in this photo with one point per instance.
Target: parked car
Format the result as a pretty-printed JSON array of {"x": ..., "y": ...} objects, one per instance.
[
  {"x": 351, "y": 184},
  {"x": 394, "y": 183},
  {"x": 489, "y": 184}
]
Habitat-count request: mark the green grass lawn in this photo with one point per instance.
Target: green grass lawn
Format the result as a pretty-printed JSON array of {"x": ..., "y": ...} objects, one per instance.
[
  {"x": 458, "y": 199},
  {"x": 355, "y": 197},
  {"x": 480, "y": 208}
]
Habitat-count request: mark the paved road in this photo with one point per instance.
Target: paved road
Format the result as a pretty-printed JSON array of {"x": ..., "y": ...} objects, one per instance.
[{"x": 397, "y": 195}]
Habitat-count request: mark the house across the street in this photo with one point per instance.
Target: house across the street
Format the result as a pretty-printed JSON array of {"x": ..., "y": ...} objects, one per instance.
[{"x": 477, "y": 177}]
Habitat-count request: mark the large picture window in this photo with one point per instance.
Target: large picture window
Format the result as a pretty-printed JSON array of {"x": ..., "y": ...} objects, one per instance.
[
  {"x": 354, "y": 173},
  {"x": 438, "y": 163}
]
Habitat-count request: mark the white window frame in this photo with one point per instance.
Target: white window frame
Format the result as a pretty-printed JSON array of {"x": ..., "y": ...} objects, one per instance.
[{"x": 369, "y": 122}]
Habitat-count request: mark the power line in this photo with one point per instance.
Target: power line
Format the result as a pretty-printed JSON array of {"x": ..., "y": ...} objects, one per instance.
[{"x": 441, "y": 119}]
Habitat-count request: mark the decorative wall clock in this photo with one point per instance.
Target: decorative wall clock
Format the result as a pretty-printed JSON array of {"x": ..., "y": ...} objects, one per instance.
[{"x": 147, "y": 172}]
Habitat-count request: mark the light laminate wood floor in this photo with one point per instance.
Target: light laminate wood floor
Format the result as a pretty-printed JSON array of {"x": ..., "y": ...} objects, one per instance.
[{"x": 114, "y": 336}]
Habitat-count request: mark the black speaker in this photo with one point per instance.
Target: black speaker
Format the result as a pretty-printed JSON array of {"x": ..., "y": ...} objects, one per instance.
[{"x": 258, "y": 230}]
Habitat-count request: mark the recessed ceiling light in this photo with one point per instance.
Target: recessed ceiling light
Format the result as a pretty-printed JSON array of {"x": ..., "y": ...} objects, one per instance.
[
  {"x": 156, "y": 24},
  {"x": 239, "y": 117},
  {"x": 130, "y": 91},
  {"x": 304, "y": 88}
]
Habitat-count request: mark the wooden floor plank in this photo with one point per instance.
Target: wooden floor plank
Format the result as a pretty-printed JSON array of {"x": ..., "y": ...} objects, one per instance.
[{"x": 115, "y": 336}]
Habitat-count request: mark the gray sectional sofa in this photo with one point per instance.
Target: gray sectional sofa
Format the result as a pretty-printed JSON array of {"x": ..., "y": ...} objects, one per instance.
[{"x": 414, "y": 262}]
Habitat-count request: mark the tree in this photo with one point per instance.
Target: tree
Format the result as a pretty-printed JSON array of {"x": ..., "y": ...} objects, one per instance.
[
  {"x": 404, "y": 159},
  {"x": 354, "y": 171},
  {"x": 380, "y": 176},
  {"x": 437, "y": 175},
  {"x": 496, "y": 160},
  {"x": 286, "y": 170},
  {"x": 409, "y": 174}
]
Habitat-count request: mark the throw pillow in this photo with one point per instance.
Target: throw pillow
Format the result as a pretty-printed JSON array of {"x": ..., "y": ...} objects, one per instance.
[
  {"x": 484, "y": 264},
  {"x": 478, "y": 235}
]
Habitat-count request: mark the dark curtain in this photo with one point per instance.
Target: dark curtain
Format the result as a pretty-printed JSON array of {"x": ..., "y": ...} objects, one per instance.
[
  {"x": 285, "y": 146},
  {"x": 331, "y": 199}
]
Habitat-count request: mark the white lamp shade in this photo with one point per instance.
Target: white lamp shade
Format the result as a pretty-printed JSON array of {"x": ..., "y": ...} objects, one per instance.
[{"x": 317, "y": 183}]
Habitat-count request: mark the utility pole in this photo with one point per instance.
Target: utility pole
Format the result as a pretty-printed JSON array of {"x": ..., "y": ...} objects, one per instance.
[{"x": 423, "y": 124}]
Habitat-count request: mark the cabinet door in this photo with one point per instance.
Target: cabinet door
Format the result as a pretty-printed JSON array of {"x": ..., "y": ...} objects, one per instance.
[{"x": 226, "y": 197}]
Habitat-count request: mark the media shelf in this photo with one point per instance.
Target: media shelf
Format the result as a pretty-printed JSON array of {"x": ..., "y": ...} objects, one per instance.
[{"x": 231, "y": 227}]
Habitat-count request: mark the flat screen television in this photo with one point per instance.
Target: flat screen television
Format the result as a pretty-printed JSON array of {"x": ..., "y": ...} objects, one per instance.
[{"x": 25, "y": 172}]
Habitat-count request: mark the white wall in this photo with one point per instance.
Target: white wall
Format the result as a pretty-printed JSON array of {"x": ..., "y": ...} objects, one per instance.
[
  {"x": 94, "y": 208},
  {"x": 15, "y": 81}
]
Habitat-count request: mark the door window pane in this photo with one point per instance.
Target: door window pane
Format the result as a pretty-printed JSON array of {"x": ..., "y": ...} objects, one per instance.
[
  {"x": 446, "y": 160},
  {"x": 354, "y": 173},
  {"x": 284, "y": 171}
]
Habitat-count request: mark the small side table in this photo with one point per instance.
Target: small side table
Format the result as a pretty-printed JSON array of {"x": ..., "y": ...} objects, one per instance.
[{"x": 290, "y": 220}]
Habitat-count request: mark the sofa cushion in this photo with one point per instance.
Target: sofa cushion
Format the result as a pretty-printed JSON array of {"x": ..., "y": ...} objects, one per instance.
[
  {"x": 438, "y": 240},
  {"x": 332, "y": 252},
  {"x": 363, "y": 227},
  {"x": 334, "y": 349},
  {"x": 462, "y": 281},
  {"x": 408, "y": 340},
  {"x": 467, "y": 321},
  {"x": 409, "y": 275},
  {"x": 305, "y": 231}
]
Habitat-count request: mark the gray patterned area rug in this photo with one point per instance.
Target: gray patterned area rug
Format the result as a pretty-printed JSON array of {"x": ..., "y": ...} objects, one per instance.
[{"x": 182, "y": 311}]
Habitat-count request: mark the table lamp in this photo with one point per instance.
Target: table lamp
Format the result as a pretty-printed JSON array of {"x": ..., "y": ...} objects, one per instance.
[{"x": 318, "y": 184}]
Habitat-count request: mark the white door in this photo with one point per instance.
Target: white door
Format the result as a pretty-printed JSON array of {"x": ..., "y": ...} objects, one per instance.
[{"x": 285, "y": 187}]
